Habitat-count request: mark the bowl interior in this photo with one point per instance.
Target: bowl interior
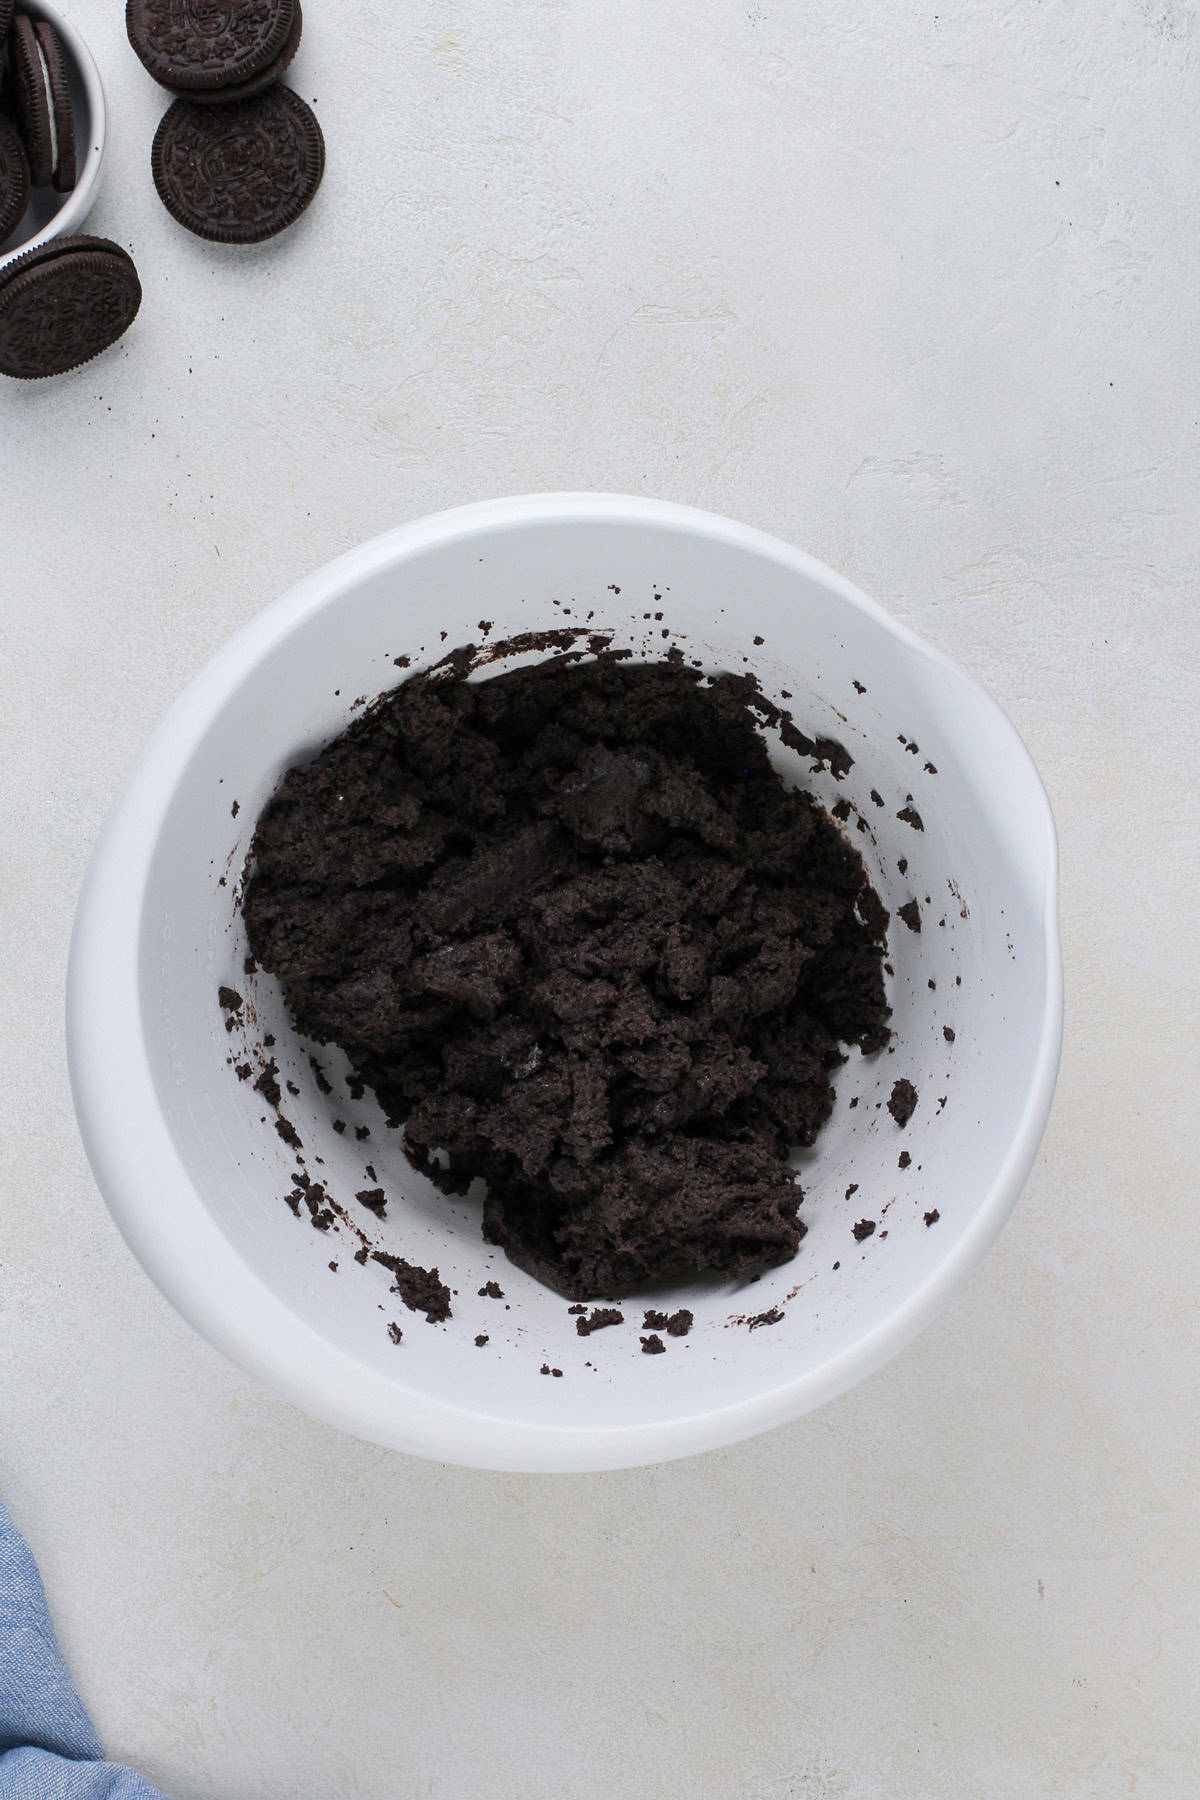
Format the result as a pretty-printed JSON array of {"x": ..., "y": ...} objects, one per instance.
[
  {"x": 49, "y": 213},
  {"x": 969, "y": 993}
]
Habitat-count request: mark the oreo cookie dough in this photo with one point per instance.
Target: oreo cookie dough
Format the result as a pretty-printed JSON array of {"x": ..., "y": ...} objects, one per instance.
[{"x": 576, "y": 933}]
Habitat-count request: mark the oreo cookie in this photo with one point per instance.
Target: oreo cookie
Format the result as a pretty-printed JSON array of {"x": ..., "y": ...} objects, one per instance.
[
  {"x": 199, "y": 45},
  {"x": 238, "y": 174},
  {"x": 32, "y": 106},
  {"x": 242, "y": 90},
  {"x": 14, "y": 178},
  {"x": 64, "y": 303},
  {"x": 62, "y": 122}
]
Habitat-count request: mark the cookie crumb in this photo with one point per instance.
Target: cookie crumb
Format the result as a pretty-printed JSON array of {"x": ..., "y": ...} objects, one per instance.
[
  {"x": 267, "y": 1086},
  {"x": 931, "y": 1218},
  {"x": 903, "y": 1102},
  {"x": 600, "y": 1317},
  {"x": 420, "y": 1289},
  {"x": 864, "y": 1229},
  {"x": 772, "y": 1316},
  {"x": 652, "y": 1345}
]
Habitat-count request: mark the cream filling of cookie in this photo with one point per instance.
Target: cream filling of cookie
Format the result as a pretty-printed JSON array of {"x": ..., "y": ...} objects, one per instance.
[{"x": 49, "y": 109}]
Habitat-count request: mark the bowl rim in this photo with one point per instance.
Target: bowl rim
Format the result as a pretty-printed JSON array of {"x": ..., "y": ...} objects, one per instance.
[
  {"x": 79, "y": 202},
  {"x": 182, "y": 1249}
]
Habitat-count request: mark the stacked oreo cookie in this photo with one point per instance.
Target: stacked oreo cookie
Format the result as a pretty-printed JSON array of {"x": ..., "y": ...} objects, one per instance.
[
  {"x": 65, "y": 301},
  {"x": 238, "y": 157}
]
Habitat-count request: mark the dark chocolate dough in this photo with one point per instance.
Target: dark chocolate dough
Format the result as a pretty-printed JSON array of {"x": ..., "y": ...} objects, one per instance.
[{"x": 573, "y": 929}]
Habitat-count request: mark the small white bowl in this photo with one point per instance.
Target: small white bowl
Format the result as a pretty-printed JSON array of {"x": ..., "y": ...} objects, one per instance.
[
  {"x": 49, "y": 213},
  {"x": 195, "y": 1177}
]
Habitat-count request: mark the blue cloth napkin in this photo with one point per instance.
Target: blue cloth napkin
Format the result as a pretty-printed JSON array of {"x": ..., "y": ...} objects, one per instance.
[{"x": 48, "y": 1746}]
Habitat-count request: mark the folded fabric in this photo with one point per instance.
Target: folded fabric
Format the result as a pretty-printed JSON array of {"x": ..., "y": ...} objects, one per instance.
[{"x": 48, "y": 1746}]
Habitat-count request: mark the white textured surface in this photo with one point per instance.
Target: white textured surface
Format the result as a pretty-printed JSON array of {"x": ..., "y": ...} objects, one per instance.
[{"x": 916, "y": 291}]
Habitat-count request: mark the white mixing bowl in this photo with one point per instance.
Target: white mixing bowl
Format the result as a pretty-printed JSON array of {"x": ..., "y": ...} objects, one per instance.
[{"x": 195, "y": 1175}]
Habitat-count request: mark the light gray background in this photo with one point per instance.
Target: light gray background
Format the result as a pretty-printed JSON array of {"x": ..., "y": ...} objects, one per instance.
[{"x": 918, "y": 292}]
